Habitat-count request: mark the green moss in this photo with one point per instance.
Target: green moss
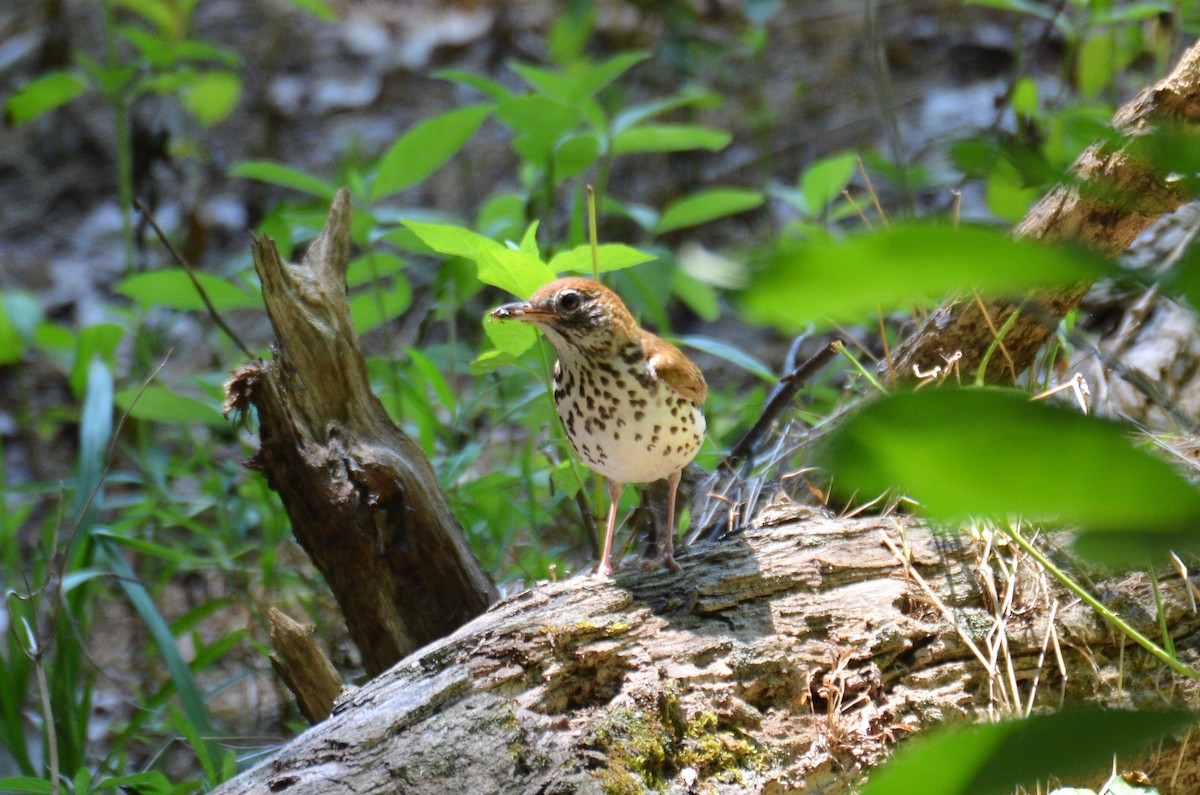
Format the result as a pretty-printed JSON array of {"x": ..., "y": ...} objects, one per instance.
[{"x": 646, "y": 746}]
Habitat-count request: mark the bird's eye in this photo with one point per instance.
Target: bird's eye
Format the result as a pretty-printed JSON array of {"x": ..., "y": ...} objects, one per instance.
[{"x": 569, "y": 301}]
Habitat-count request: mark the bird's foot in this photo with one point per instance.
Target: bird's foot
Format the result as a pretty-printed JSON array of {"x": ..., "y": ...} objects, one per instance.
[
  {"x": 603, "y": 569},
  {"x": 666, "y": 559}
]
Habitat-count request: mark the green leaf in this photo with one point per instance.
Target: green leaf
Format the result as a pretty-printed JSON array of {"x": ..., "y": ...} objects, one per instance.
[
  {"x": 731, "y": 354},
  {"x": 373, "y": 266},
  {"x": 489, "y": 87},
  {"x": 172, "y": 288},
  {"x": 452, "y": 241},
  {"x": 211, "y": 96},
  {"x": 539, "y": 122},
  {"x": 511, "y": 339},
  {"x": 997, "y": 758},
  {"x": 825, "y": 180},
  {"x": 318, "y": 8},
  {"x": 529, "y": 242},
  {"x": 284, "y": 176},
  {"x": 373, "y": 308},
  {"x": 636, "y": 114},
  {"x": 425, "y": 148},
  {"x": 590, "y": 80},
  {"x": 513, "y": 271},
  {"x": 95, "y": 434},
  {"x": 611, "y": 257},
  {"x": 433, "y": 376},
  {"x": 26, "y": 784},
  {"x": 43, "y": 95},
  {"x": 1098, "y": 64},
  {"x": 491, "y": 361},
  {"x": 705, "y": 206},
  {"x": 883, "y": 270},
  {"x": 157, "y": 403},
  {"x": 669, "y": 138},
  {"x": 98, "y": 340},
  {"x": 1008, "y": 196},
  {"x": 965, "y": 453},
  {"x": 575, "y": 154},
  {"x": 20, "y": 315},
  {"x": 1024, "y": 97}
]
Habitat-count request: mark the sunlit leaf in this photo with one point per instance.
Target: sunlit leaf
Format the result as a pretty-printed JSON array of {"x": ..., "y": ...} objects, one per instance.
[
  {"x": 999, "y": 757},
  {"x": 42, "y": 95},
  {"x": 452, "y": 241},
  {"x": 513, "y": 271},
  {"x": 894, "y": 268},
  {"x": 511, "y": 339},
  {"x": 489, "y": 87},
  {"x": 705, "y": 206},
  {"x": 575, "y": 154},
  {"x": 425, "y": 148},
  {"x": 610, "y": 256},
  {"x": 825, "y": 180},
  {"x": 965, "y": 453},
  {"x": 211, "y": 96}
]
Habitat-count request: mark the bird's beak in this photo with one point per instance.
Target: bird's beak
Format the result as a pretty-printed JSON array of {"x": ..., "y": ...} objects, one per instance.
[{"x": 522, "y": 311}]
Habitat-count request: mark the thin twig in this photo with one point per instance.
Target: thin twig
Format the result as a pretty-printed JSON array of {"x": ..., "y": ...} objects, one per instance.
[
  {"x": 785, "y": 392},
  {"x": 191, "y": 272}
]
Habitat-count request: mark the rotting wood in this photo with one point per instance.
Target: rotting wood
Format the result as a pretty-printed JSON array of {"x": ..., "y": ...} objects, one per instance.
[
  {"x": 785, "y": 660},
  {"x": 303, "y": 665},
  {"x": 361, "y": 495}
]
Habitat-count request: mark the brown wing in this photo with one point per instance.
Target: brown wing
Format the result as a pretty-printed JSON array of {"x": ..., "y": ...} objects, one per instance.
[{"x": 674, "y": 369}]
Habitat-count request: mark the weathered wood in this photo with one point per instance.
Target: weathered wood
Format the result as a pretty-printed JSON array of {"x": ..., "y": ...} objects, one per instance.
[
  {"x": 361, "y": 495},
  {"x": 782, "y": 661},
  {"x": 1109, "y": 198},
  {"x": 303, "y": 666}
]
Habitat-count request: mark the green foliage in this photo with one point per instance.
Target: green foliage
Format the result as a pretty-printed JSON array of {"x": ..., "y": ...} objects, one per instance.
[
  {"x": 845, "y": 280},
  {"x": 1014, "y": 457},
  {"x": 999, "y": 757}
]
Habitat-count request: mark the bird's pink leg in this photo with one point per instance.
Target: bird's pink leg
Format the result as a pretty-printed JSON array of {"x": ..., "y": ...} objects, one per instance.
[
  {"x": 667, "y": 558},
  {"x": 614, "y": 497}
]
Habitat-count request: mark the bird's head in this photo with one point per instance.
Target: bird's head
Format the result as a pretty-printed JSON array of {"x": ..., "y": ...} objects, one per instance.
[{"x": 575, "y": 312}]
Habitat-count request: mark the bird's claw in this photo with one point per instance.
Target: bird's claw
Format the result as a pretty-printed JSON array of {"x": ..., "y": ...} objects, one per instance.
[{"x": 666, "y": 559}]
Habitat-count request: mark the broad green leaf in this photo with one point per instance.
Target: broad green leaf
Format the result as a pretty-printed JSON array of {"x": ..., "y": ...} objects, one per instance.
[
  {"x": 376, "y": 306},
  {"x": 825, "y": 180},
  {"x": 510, "y": 338},
  {"x": 491, "y": 361},
  {"x": 997, "y": 758},
  {"x": 167, "y": 17},
  {"x": 211, "y": 96},
  {"x": 550, "y": 85},
  {"x": 43, "y": 95},
  {"x": 373, "y": 266},
  {"x": 513, "y": 271},
  {"x": 591, "y": 80},
  {"x": 1008, "y": 196},
  {"x": 539, "y": 123},
  {"x": 529, "y": 242},
  {"x": 452, "y": 241},
  {"x": 705, "y": 206},
  {"x": 284, "y": 176},
  {"x": 425, "y": 148},
  {"x": 611, "y": 257},
  {"x": 157, "y": 403},
  {"x": 669, "y": 138},
  {"x": 1024, "y": 97},
  {"x": 1098, "y": 63},
  {"x": 172, "y": 288},
  {"x": 965, "y": 453},
  {"x": 575, "y": 154},
  {"x": 887, "y": 269},
  {"x": 731, "y": 354}
]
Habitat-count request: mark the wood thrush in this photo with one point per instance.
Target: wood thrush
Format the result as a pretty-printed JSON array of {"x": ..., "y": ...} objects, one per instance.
[{"x": 630, "y": 402}]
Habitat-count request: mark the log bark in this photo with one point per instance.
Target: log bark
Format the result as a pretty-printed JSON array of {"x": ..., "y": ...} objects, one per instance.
[
  {"x": 1110, "y": 197},
  {"x": 361, "y": 495},
  {"x": 785, "y": 660}
]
